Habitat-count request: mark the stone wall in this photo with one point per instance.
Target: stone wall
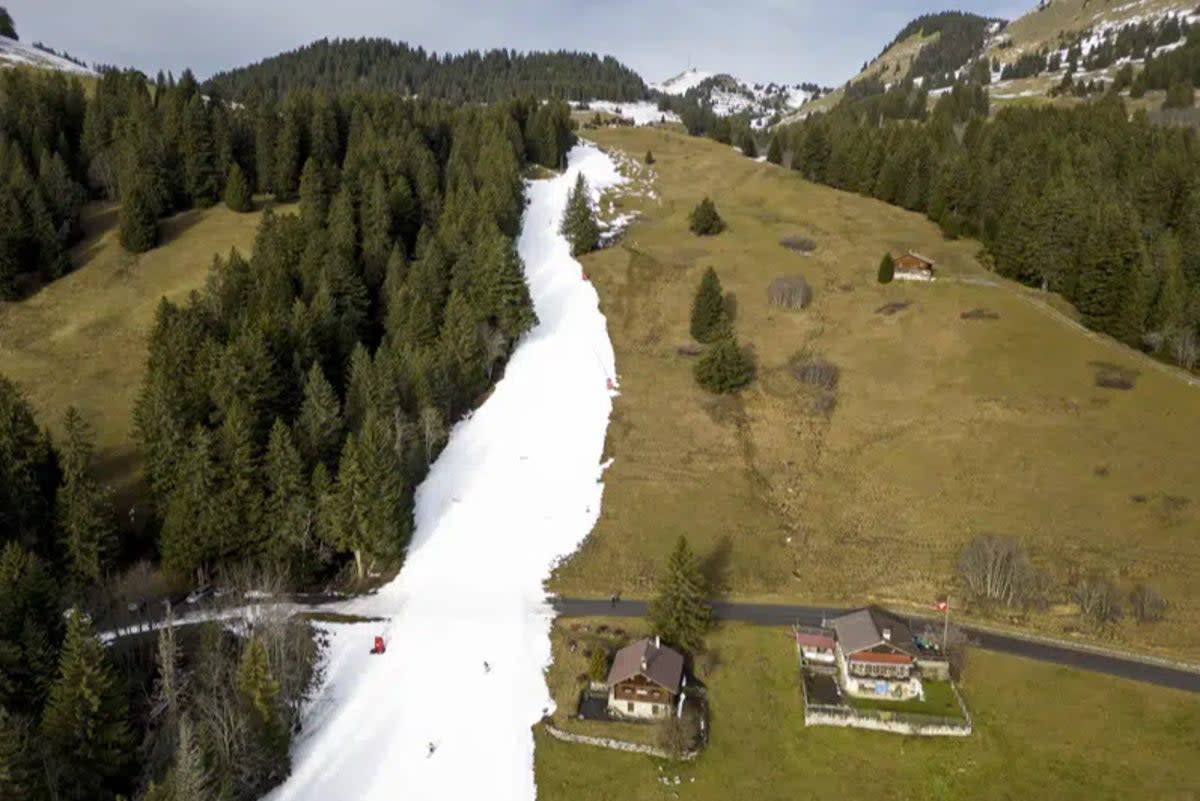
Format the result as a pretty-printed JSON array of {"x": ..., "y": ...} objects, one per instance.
[{"x": 615, "y": 745}]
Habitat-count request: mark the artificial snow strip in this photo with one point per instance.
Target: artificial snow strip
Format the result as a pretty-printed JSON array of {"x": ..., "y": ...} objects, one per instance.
[{"x": 517, "y": 488}]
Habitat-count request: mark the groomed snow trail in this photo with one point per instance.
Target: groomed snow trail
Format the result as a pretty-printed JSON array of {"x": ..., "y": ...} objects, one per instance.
[{"x": 516, "y": 489}]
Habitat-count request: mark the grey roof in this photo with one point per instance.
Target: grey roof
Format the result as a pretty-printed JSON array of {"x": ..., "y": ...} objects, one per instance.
[
  {"x": 659, "y": 664},
  {"x": 925, "y": 259},
  {"x": 863, "y": 629}
]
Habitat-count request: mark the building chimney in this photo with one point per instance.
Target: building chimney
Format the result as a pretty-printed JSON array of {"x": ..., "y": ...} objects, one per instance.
[
  {"x": 887, "y": 634},
  {"x": 644, "y": 665}
]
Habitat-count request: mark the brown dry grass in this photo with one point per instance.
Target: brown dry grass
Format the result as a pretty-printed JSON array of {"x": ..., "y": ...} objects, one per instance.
[
  {"x": 82, "y": 340},
  {"x": 944, "y": 428}
]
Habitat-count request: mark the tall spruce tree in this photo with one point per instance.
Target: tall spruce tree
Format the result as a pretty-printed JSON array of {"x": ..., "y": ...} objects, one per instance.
[
  {"x": 7, "y": 28},
  {"x": 237, "y": 190},
  {"x": 319, "y": 426},
  {"x": 314, "y": 195},
  {"x": 710, "y": 320},
  {"x": 18, "y": 769},
  {"x": 775, "y": 149},
  {"x": 193, "y": 524},
  {"x": 680, "y": 611},
  {"x": 28, "y": 473},
  {"x": 86, "y": 530},
  {"x": 579, "y": 220},
  {"x": 266, "y": 757},
  {"x": 139, "y": 212},
  {"x": 85, "y": 726},
  {"x": 288, "y": 509},
  {"x": 725, "y": 367},
  {"x": 704, "y": 219},
  {"x": 887, "y": 269},
  {"x": 31, "y": 627},
  {"x": 199, "y": 154}
]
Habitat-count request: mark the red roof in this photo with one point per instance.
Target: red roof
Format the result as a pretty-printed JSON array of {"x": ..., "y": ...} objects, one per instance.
[
  {"x": 814, "y": 640},
  {"x": 881, "y": 659}
]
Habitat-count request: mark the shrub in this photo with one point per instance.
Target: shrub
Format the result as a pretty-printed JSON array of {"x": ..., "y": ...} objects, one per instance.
[
  {"x": 237, "y": 190},
  {"x": 1099, "y": 599},
  {"x": 997, "y": 569},
  {"x": 649, "y": 157},
  {"x": 678, "y": 736},
  {"x": 725, "y": 368},
  {"x": 798, "y": 243},
  {"x": 710, "y": 318},
  {"x": 817, "y": 373},
  {"x": 1112, "y": 376},
  {"x": 598, "y": 665},
  {"x": 704, "y": 220},
  {"x": 887, "y": 269},
  {"x": 1146, "y": 604},
  {"x": 789, "y": 292}
]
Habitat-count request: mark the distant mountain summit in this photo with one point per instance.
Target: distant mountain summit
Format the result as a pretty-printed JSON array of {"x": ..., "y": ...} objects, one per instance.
[
  {"x": 727, "y": 96},
  {"x": 17, "y": 54}
]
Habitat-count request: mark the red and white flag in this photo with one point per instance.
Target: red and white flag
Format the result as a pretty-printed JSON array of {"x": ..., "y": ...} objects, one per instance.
[{"x": 943, "y": 604}]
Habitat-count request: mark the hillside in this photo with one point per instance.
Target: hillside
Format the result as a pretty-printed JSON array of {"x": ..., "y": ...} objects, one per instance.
[
  {"x": 17, "y": 54},
  {"x": 342, "y": 64},
  {"x": 762, "y": 104}
]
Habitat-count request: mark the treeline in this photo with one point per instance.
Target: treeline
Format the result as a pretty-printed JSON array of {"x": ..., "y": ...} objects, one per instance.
[
  {"x": 1086, "y": 202},
  {"x": 7, "y": 27},
  {"x": 960, "y": 38},
  {"x": 291, "y": 409},
  {"x": 355, "y": 64},
  {"x": 75, "y": 723}
]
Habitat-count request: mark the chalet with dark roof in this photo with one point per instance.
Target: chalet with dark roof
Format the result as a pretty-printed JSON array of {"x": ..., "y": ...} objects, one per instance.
[{"x": 645, "y": 681}]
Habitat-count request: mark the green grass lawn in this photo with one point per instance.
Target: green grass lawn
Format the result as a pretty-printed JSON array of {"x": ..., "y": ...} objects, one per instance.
[
  {"x": 1041, "y": 732},
  {"x": 939, "y": 700},
  {"x": 943, "y": 427}
]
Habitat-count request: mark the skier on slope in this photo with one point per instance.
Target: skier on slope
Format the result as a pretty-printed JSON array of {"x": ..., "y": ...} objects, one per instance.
[
  {"x": 487, "y": 668},
  {"x": 432, "y": 748}
]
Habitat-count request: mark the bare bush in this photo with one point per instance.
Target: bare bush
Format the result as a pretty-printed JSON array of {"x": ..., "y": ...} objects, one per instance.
[
  {"x": 888, "y": 309},
  {"x": 799, "y": 243},
  {"x": 1099, "y": 599},
  {"x": 996, "y": 568},
  {"x": 1146, "y": 604},
  {"x": 1113, "y": 376},
  {"x": 678, "y": 736},
  {"x": 816, "y": 372},
  {"x": 789, "y": 292}
]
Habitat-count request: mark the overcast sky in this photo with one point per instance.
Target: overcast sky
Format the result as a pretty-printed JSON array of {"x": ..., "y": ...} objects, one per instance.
[{"x": 757, "y": 40}]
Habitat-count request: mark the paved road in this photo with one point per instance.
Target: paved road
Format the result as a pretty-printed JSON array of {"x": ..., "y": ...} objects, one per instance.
[{"x": 780, "y": 615}]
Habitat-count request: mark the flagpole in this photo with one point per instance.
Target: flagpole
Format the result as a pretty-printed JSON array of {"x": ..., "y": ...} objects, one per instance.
[{"x": 946, "y": 624}]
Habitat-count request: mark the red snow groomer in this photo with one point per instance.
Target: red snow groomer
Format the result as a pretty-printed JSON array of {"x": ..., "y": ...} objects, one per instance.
[{"x": 379, "y": 646}]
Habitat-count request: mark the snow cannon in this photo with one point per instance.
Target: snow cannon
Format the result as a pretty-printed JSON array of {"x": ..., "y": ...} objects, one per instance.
[{"x": 379, "y": 646}]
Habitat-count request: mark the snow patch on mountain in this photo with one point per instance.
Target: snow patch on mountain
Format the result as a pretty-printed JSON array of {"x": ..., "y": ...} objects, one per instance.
[
  {"x": 17, "y": 54},
  {"x": 681, "y": 83},
  {"x": 726, "y": 95}
]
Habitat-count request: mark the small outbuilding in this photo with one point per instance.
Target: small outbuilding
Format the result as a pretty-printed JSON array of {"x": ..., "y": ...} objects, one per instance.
[
  {"x": 912, "y": 266},
  {"x": 645, "y": 680}
]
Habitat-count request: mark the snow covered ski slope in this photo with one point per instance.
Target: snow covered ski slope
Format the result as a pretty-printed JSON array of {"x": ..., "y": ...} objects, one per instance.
[{"x": 517, "y": 488}]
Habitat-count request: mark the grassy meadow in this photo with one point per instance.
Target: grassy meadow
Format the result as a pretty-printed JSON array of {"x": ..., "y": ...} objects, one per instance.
[
  {"x": 1041, "y": 731},
  {"x": 81, "y": 340},
  {"x": 944, "y": 427}
]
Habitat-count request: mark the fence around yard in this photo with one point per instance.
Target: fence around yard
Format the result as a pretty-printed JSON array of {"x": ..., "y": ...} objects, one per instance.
[{"x": 912, "y": 723}]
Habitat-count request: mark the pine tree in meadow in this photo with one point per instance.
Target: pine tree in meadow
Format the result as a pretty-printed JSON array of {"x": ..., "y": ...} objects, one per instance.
[
  {"x": 887, "y": 269},
  {"x": 579, "y": 221},
  {"x": 85, "y": 726},
  {"x": 680, "y": 612},
  {"x": 139, "y": 212},
  {"x": 86, "y": 529},
  {"x": 725, "y": 367},
  {"x": 704, "y": 219},
  {"x": 237, "y": 190},
  {"x": 649, "y": 157},
  {"x": 710, "y": 320}
]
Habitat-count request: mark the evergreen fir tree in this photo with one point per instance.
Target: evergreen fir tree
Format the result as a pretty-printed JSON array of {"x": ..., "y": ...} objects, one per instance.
[
  {"x": 240, "y": 513},
  {"x": 461, "y": 339},
  {"x": 200, "y": 157},
  {"x": 28, "y": 473},
  {"x": 377, "y": 243},
  {"x": 85, "y": 726},
  {"x": 17, "y": 768},
  {"x": 85, "y": 526},
  {"x": 287, "y": 510},
  {"x": 887, "y": 269},
  {"x": 725, "y": 367},
  {"x": 775, "y": 149},
  {"x": 237, "y": 190},
  {"x": 267, "y": 751},
  {"x": 704, "y": 219},
  {"x": 710, "y": 320},
  {"x": 748, "y": 145},
  {"x": 343, "y": 227},
  {"x": 319, "y": 425},
  {"x": 7, "y": 28},
  {"x": 30, "y": 630},
  {"x": 139, "y": 213},
  {"x": 649, "y": 157},
  {"x": 680, "y": 612},
  {"x": 287, "y": 159},
  {"x": 314, "y": 195},
  {"x": 192, "y": 525},
  {"x": 579, "y": 220}
]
